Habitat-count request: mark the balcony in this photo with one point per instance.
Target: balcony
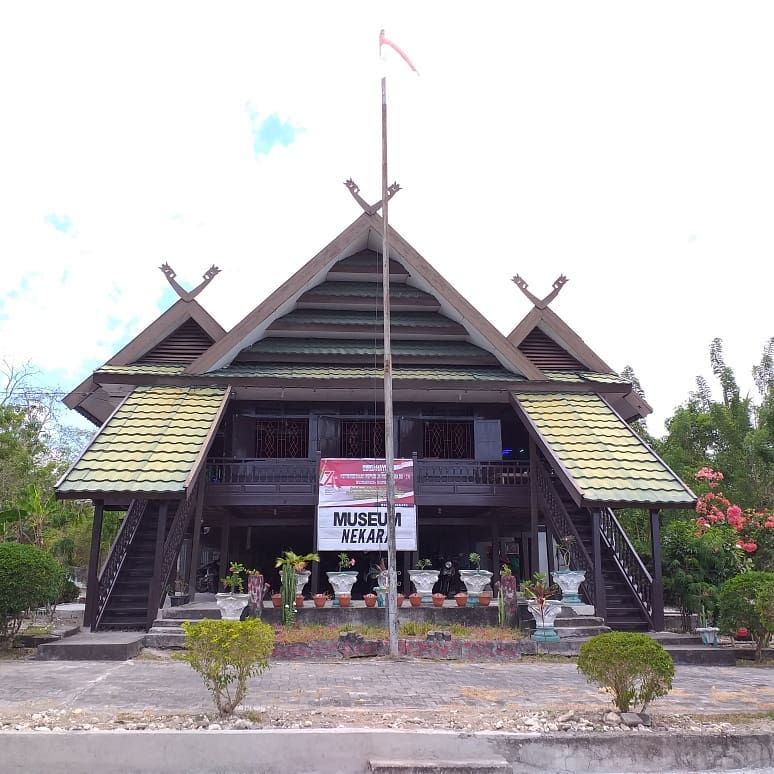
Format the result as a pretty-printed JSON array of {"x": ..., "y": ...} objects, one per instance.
[{"x": 436, "y": 482}]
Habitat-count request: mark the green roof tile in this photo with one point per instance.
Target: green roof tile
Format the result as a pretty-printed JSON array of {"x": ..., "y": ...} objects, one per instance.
[
  {"x": 299, "y": 346},
  {"x": 150, "y": 444},
  {"x": 332, "y": 372},
  {"x": 602, "y": 455}
]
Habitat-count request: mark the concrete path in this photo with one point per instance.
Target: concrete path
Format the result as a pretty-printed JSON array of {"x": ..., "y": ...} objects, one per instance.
[{"x": 169, "y": 686}]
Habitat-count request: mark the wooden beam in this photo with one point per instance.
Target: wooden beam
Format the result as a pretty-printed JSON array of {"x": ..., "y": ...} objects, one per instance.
[
  {"x": 196, "y": 537},
  {"x": 154, "y": 593},
  {"x": 92, "y": 584},
  {"x": 495, "y": 530},
  {"x": 599, "y": 579},
  {"x": 534, "y": 560},
  {"x": 658, "y": 582}
]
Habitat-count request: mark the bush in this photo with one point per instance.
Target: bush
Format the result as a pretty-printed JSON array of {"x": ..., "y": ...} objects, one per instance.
[
  {"x": 748, "y": 601},
  {"x": 226, "y": 654},
  {"x": 29, "y": 578},
  {"x": 69, "y": 592},
  {"x": 633, "y": 667}
]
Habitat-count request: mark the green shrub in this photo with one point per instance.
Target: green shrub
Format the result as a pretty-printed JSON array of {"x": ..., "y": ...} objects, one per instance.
[
  {"x": 29, "y": 578},
  {"x": 633, "y": 667},
  {"x": 226, "y": 654},
  {"x": 69, "y": 591},
  {"x": 748, "y": 601}
]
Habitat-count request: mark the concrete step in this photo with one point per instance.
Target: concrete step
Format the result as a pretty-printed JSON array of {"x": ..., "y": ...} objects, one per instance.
[
  {"x": 565, "y": 632},
  {"x": 480, "y": 766},
  {"x": 164, "y": 638},
  {"x": 578, "y": 620},
  {"x": 93, "y": 646}
]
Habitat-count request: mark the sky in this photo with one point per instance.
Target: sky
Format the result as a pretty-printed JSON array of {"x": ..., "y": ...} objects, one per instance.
[{"x": 629, "y": 146}]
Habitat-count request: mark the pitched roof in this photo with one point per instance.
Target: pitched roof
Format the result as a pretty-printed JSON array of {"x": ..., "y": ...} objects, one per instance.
[
  {"x": 182, "y": 327},
  {"x": 603, "y": 459},
  {"x": 337, "y": 279},
  {"x": 155, "y": 443}
]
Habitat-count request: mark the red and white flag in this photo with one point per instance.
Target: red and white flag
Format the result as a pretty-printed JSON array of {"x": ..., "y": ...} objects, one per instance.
[{"x": 386, "y": 43}]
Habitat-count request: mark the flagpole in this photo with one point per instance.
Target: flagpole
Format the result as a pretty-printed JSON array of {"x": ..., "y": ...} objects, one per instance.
[{"x": 389, "y": 438}]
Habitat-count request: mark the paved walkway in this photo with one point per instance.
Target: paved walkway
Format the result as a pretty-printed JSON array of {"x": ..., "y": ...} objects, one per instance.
[{"x": 169, "y": 686}]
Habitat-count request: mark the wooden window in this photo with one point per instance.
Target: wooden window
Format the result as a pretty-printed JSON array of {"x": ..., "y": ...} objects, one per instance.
[
  {"x": 449, "y": 440},
  {"x": 278, "y": 438},
  {"x": 362, "y": 438}
]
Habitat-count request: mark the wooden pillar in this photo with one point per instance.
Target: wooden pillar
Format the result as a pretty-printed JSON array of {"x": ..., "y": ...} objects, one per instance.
[
  {"x": 92, "y": 582},
  {"x": 316, "y": 565},
  {"x": 157, "y": 580},
  {"x": 534, "y": 561},
  {"x": 550, "y": 553},
  {"x": 225, "y": 537},
  {"x": 599, "y": 579},
  {"x": 658, "y": 582},
  {"x": 495, "y": 524},
  {"x": 195, "y": 539},
  {"x": 526, "y": 572}
]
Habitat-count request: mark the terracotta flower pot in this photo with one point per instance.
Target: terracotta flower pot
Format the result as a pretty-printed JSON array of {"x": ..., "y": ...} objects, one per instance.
[
  {"x": 370, "y": 600},
  {"x": 415, "y": 599},
  {"x": 299, "y": 601},
  {"x": 400, "y": 600},
  {"x": 319, "y": 600},
  {"x": 461, "y": 599},
  {"x": 344, "y": 600},
  {"x": 484, "y": 599},
  {"x": 438, "y": 600},
  {"x": 276, "y": 600}
]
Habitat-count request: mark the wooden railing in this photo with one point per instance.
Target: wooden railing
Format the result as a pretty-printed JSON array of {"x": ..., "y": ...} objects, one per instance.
[
  {"x": 470, "y": 472},
  {"x": 231, "y": 471},
  {"x": 559, "y": 522},
  {"x": 628, "y": 560},
  {"x": 115, "y": 559}
]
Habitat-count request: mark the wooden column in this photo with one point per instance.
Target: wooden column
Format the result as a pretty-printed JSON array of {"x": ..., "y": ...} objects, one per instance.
[
  {"x": 92, "y": 590},
  {"x": 195, "y": 538},
  {"x": 658, "y": 582},
  {"x": 225, "y": 536},
  {"x": 534, "y": 561},
  {"x": 495, "y": 524},
  {"x": 155, "y": 586},
  {"x": 526, "y": 572},
  {"x": 550, "y": 553},
  {"x": 316, "y": 565},
  {"x": 599, "y": 579}
]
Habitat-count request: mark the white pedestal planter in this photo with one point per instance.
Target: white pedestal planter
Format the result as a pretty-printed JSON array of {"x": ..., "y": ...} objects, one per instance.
[
  {"x": 231, "y": 605},
  {"x": 302, "y": 578},
  {"x": 424, "y": 580},
  {"x": 475, "y": 582},
  {"x": 709, "y": 635},
  {"x": 569, "y": 582},
  {"x": 342, "y": 583},
  {"x": 544, "y": 620}
]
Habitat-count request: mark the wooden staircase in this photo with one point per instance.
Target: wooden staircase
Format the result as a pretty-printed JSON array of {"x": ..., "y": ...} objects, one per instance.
[{"x": 127, "y": 605}]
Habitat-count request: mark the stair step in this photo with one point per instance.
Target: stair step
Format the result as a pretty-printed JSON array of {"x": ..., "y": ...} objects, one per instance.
[{"x": 479, "y": 766}]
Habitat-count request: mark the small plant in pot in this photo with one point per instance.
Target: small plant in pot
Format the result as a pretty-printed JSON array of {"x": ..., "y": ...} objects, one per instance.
[
  {"x": 415, "y": 600},
  {"x": 707, "y": 632},
  {"x": 179, "y": 594},
  {"x": 438, "y": 600},
  {"x": 567, "y": 579},
  {"x": 232, "y": 602},
  {"x": 344, "y": 600},
  {"x": 400, "y": 599},
  {"x": 461, "y": 599},
  {"x": 320, "y": 600},
  {"x": 370, "y": 600},
  {"x": 543, "y": 607},
  {"x": 485, "y": 598},
  {"x": 475, "y": 579},
  {"x": 424, "y": 578},
  {"x": 343, "y": 580}
]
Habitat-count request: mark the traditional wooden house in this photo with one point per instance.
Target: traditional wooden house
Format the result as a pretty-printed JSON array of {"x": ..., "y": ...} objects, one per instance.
[{"x": 211, "y": 440}]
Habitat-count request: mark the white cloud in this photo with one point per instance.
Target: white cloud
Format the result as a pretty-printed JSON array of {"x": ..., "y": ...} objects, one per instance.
[{"x": 627, "y": 147}]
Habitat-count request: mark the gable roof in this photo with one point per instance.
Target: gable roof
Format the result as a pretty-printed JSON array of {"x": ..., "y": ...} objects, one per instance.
[
  {"x": 336, "y": 272},
  {"x": 173, "y": 327}
]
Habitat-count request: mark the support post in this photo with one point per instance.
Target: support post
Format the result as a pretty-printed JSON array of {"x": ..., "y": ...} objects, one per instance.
[
  {"x": 658, "y": 581},
  {"x": 550, "y": 553},
  {"x": 196, "y": 537},
  {"x": 526, "y": 569},
  {"x": 534, "y": 561},
  {"x": 316, "y": 565},
  {"x": 92, "y": 583},
  {"x": 599, "y": 579},
  {"x": 156, "y": 581},
  {"x": 225, "y": 539},
  {"x": 495, "y": 526}
]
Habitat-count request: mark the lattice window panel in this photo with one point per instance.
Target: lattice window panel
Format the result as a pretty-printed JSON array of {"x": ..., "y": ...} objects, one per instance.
[
  {"x": 362, "y": 438},
  {"x": 449, "y": 440},
  {"x": 280, "y": 438}
]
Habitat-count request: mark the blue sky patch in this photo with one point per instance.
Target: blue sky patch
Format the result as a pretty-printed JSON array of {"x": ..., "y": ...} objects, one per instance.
[
  {"x": 61, "y": 223},
  {"x": 270, "y": 131}
]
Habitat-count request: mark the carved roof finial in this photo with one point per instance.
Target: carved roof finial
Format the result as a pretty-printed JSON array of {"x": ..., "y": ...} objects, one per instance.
[
  {"x": 185, "y": 295},
  {"x": 369, "y": 209},
  {"x": 538, "y": 302}
]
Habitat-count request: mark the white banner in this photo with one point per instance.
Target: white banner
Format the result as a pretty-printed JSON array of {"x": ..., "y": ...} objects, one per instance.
[{"x": 350, "y": 529}]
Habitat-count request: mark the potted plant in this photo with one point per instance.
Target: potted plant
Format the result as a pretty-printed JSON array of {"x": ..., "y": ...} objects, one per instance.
[
  {"x": 415, "y": 599},
  {"x": 276, "y": 600},
  {"x": 232, "y": 602},
  {"x": 461, "y": 599},
  {"x": 708, "y": 633},
  {"x": 299, "y": 601},
  {"x": 370, "y": 600},
  {"x": 344, "y": 600},
  {"x": 424, "y": 578},
  {"x": 544, "y": 609},
  {"x": 400, "y": 599},
  {"x": 256, "y": 590},
  {"x": 179, "y": 594},
  {"x": 485, "y": 598},
  {"x": 475, "y": 579},
  {"x": 568, "y": 580},
  {"x": 343, "y": 580},
  {"x": 320, "y": 600},
  {"x": 438, "y": 600},
  {"x": 294, "y": 577}
]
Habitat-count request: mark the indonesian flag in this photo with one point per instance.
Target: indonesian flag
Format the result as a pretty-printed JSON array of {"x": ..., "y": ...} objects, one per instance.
[{"x": 385, "y": 41}]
